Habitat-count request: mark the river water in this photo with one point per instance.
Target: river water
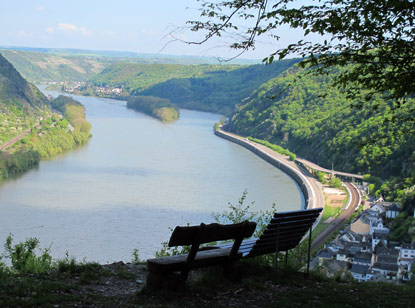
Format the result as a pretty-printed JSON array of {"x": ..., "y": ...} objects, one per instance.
[{"x": 135, "y": 178}]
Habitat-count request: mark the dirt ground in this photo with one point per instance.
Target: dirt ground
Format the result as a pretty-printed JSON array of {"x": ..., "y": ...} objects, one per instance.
[{"x": 335, "y": 196}]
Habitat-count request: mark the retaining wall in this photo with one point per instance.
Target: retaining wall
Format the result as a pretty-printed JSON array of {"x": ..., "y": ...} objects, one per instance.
[{"x": 304, "y": 186}]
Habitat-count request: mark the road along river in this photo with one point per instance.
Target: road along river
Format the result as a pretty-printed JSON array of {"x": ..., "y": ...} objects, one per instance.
[{"x": 135, "y": 178}]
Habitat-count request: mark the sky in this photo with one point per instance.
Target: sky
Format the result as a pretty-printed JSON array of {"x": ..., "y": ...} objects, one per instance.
[{"x": 141, "y": 26}]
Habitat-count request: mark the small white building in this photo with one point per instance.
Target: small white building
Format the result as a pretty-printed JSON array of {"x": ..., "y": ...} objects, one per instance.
[
  {"x": 361, "y": 272},
  {"x": 378, "y": 207},
  {"x": 406, "y": 253},
  {"x": 379, "y": 236},
  {"x": 392, "y": 211}
]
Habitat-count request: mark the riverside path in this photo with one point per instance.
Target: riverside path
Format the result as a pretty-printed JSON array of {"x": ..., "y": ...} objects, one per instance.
[{"x": 314, "y": 188}]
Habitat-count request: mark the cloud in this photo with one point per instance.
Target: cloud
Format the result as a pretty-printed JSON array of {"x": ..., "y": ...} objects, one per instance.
[
  {"x": 67, "y": 27},
  {"x": 62, "y": 27},
  {"x": 84, "y": 31}
]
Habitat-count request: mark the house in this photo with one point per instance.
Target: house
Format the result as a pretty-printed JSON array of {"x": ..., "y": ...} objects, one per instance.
[
  {"x": 377, "y": 225},
  {"x": 351, "y": 237},
  {"x": 380, "y": 236},
  {"x": 325, "y": 254},
  {"x": 378, "y": 207},
  {"x": 342, "y": 255},
  {"x": 362, "y": 258},
  {"x": 393, "y": 211},
  {"x": 361, "y": 272},
  {"x": 406, "y": 253},
  {"x": 385, "y": 261},
  {"x": 389, "y": 270},
  {"x": 369, "y": 215}
]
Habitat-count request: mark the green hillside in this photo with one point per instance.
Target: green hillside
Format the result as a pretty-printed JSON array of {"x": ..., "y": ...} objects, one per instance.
[
  {"x": 26, "y": 114},
  {"x": 43, "y": 67},
  {"x": 136, "y": 77},
  {"x": 316, "y": 121},
  {"x": 214, "y": 88},
  {"x": 219, "y": 90}
]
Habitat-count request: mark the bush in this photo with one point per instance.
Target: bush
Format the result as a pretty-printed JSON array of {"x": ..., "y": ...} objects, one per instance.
[
  {"x": 24, "y": 259},
  {"x": 335, "y": 182}
]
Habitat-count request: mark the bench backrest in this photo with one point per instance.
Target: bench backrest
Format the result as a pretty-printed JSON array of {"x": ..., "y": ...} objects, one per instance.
[
  {"x": 202, "y": 234},
  {"x": 285, "y": 231}
]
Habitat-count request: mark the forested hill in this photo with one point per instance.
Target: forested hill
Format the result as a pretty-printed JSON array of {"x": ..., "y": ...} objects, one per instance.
[
  {"x": 16, "y": 93},
  {"x": 214, "y": 88},
  {"x": 316, "y": 121},
  {"x": 218, "y": 90}
]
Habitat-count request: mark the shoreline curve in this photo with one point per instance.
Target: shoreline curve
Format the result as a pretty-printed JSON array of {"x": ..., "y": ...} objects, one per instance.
[{"x": 291, "y": 169}]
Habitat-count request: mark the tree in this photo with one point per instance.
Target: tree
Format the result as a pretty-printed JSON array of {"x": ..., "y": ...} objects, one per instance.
[{"x": 373, "y": 40}]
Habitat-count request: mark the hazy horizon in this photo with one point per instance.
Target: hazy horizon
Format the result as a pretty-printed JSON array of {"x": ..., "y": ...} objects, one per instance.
[{"x": 157, "y": 27}]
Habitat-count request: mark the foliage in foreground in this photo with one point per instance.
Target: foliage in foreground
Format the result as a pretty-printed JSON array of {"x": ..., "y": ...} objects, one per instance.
[{"x": 29, "y": 277}]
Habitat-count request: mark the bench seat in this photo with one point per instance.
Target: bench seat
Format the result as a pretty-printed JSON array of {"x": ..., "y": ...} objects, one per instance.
[{"x": 202, "y": 259}]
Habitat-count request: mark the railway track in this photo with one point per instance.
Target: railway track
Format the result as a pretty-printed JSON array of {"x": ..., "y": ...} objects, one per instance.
[{"x": 339, "y": 221}]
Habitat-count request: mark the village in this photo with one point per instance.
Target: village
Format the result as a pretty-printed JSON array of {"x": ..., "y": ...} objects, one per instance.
[
  {"x": 80, "y": 86},
  {"x": 363, "y": 250}
]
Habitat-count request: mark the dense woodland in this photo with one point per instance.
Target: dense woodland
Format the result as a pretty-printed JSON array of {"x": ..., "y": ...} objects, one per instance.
[
  {"x": 317, "y": 121},
  {"x": 217, "y": 91}
]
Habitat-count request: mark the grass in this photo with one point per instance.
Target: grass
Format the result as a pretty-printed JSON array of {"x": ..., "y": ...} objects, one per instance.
[
  {"x": 318, "y": 229},
  {"x": 258, "y": 286},
  {"x": 248, "y": 284}
]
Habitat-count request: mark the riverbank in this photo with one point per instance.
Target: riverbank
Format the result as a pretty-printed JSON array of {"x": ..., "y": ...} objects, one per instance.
[{"x": 311, "y": 190}]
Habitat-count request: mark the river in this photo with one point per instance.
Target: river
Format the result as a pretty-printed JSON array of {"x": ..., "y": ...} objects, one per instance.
[{"x": 134, "y": 179}]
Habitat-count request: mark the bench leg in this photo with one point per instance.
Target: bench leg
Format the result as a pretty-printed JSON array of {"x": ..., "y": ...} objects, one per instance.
[{"x": 166, "y": 281}]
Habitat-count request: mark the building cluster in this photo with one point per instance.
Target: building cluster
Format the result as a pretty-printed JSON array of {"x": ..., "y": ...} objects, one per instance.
[
  {"x": 105, "y": 90},
  {"x": 364, "y": 250}
]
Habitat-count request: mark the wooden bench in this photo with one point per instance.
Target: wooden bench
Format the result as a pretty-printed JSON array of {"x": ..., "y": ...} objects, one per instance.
[
  {"x": 283, "y": 233},
  {"x": 194, "y": 236}
]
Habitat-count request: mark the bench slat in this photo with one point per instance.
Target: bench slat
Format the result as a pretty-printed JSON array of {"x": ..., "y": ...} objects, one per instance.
[{"x": 202, "y": 234}]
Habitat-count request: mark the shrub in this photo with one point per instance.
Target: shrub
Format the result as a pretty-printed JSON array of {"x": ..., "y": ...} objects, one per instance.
[{"x": 23, "y": 257}]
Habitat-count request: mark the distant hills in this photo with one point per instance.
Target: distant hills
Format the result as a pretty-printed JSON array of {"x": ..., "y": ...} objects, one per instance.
[
  {"x": 131, "y": 56},
  {"x": 39, "y": 65},
  {"x": 43, "y": 67}
]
